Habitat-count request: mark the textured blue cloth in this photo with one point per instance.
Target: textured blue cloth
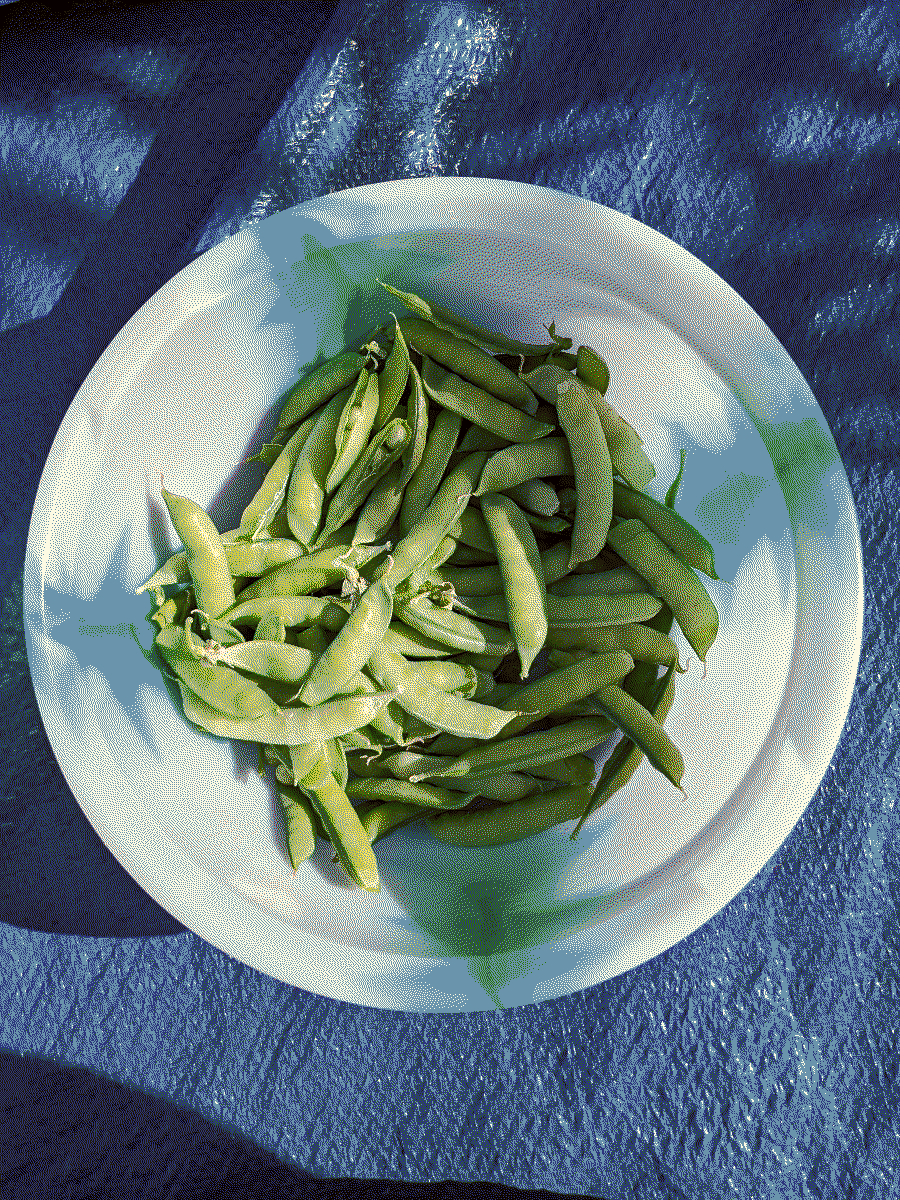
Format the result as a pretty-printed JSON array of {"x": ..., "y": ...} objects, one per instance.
[{"x": 759, "y": 1057}]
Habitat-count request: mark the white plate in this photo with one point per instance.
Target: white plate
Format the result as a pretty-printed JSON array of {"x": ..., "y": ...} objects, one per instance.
[{"x": 185, "y": 389}]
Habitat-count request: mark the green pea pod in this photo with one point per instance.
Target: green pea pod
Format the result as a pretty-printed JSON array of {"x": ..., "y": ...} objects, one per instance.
[
  {"x": 354, "y": 428},
  {"x": 592, "y": 369},
  {"x": 472, "y": 531},
  {"x": 310, "y": 572},
  {"x": 646, "y": 733},
  {"x": 480, "y": 407},
  {"x": 206, "y": 560},
  {"x": 342, "y": 824},
  {"x": 488, "y": 580},
  {"x": 452, "y": 629},
  {"x": 523, "y": 578},
  {"x": 268, "y": 499},
  {"x": 363, "y": 631},
  {"x": 321, "y": 385},
  {"x": 515, "y": 465},
  {"x": 271, "y": 659},
  {"x": 685, "y": 542},
  {"x": 478, "y": 439},
  {"x": 521, "y": 819},
  {"x": 524, "y": 751},
  {"x": 393, "y": 379},
  {"x": 626, "y": 451},
  {"x": 383, "y": 819},
  {"x": 375, "y": 461},
  {"x": 555, "y": 690},
  {"x": 302, "y": 611},
  {"x": 616, "y": 582},
  {"x": 299, "y": 824},
  {"x": 426, "y": 479},
  {"x": 386, "y": 788},
  {"x": 270, "y": 629},
  {"x": 409, "y": 642},
  {"x": 572, "y": 611},
  {"x": 536, "y": 496},
  {"x": 306, "y": 488},
  {"x": 225, "y": 691}
]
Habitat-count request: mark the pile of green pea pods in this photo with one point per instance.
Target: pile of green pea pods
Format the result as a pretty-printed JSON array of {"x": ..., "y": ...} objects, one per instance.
[{"x": 441, "y": 506}]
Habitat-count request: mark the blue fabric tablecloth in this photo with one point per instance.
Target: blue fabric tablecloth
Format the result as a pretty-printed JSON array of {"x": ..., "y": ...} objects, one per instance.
[{"x": 757, "y": 1058}]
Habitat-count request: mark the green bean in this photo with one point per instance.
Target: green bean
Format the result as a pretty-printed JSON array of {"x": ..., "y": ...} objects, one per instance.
[
  {"x": 354, "y": 428},
  {"x": 306, "y": 488},
  {"x": 262, "y": 508},
  {"x": 299, "y": 824},
  {"x": 326, "y": 381},
  {"x": 425, "y": 536},
  {"x": 523, "y": 578},
  {"x": 427, "y": 477},
  {"x": 453, "y": 629},
  {"x": 536, "y": 496},
  {"x": 671, "y": 579},
  {"x": 521, "y": 819},
  {"x": 388, "y": 788},
  {"x": 524, "y": 751},
  {"x": 363, "y": 631},
  {"x": 394, "y": 375},
  {"x": 349, "y": 838},
  {"x": 602, "y": 583},
  {"x": 287, "y": 726},
  {"x": 220, "y": 687},
  {"x": 467, "y": 361},
  {"x": 572, "y": 611},
  {"x": 592, "y": 369},
  {"x": 206, "y": 558},
  {"x": 479, "y": 406},
  {"x": 685, "y": 542}
]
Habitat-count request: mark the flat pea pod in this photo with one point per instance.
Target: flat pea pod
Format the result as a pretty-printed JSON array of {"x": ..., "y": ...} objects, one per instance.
[
  {"x": 521, "y": 819},
  {"x": 299, "y": 824},
  {"x": 488, "y": 580},
  {"x": 671, "y": 579},
  {"x": 442, "y": 710},
  {"x": 525, "y": 751},
  {"x": 383, "y": 819},
  {"x": 206, "y": 559},
  {"x": 556, "y": 689},
  {"x": 523, "y": 577},
  {"x": 592, "y": 369},
  {"x": 686, "y": 543},
  {"x": 309, "y": 572},
  {"x": 452, "y": 323},
  {"x": 386, "y": 788},
  {"x": 271, "y": 492},
  {"x": 646, "y": 733},
  {"x": 572, "y": 611},
  {"x": 394, "y": 376},
  {"x": 323, "y": 383},
  {"x": 220, "y": 687},
  {"x": 469, "y": 362},
  {"x": 362, "y": 632},
  {"x": 514, "y": 465},
  {"x": 479, "y": 406},
  {"x": 601, "y": 583},
  {"x": 426, "y": 479},
  {"x": 306, "y": 488},
  {"x": 354, "y": 428},
  {"x": 642, "y": 642},
  {"x": 452, "y": 629},
  {"x": 342, "y": 824},
  {"x": 271, "y": 659},
  {"x": 425, "y": 536},
  {"x": 374, "y": 462},
  {"x": 287, "y": 726}
]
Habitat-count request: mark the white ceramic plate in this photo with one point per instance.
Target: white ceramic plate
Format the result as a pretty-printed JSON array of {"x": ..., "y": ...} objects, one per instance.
[{"x": 186, "y": 388}]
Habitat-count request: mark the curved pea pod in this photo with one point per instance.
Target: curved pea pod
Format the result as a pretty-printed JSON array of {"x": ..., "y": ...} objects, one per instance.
[
  {"x": 271, "y": 492},
  {"x": 385, "y": 788},
  {"x": 439, "y": 709},
  {"x": 270, "y": 629},
  {"x": 448, "y": 675},
  {"x": 327, "y": 611},
  {"x": 392, "y": 382},
  {"x": 515, "y": 465},
  {"x": 488, "y": 580},
  {"x": 383, "y": 819},
  {"x": 523, "y": 577},
  {"x": 226, "y": 692},
  {"x": 342, "y": 824},
  {"x": 642, "y": 642},
  {"x": 411, "y": 643},
  {"x": 271, "y": 659},
  {"x": 452, "y": 629},
  {"x": 465, "y": 556},
  {"x": 310, "y": 572},
  {"x": 425, "y": 480},
  {"x": 616, "y": 582},
  {"x": 572, "y": 611},
  {"x": 647, "y": 734},
  {"x": 686, "y": 543},
  {"x": 459, "y": 327},
  {"x": 354, "y": 428},
  {"x": 476, "y": 438},
  {"x": 501, "y": 786},
  {"x": 479, "y": 406},
  {"x": 523, "y": 752},
  {"x": 362, "y": 632},
  {"x": 379, "y": 510},
  {"x": 471, "y": 530},
  {"x": 320, "y": 385},
  {"x": 306, "y": 488},
  {"x": 469, "y": 362},
  {"x": 626, "y": 450},
  {"x": 206, "y": 560},
  {"x": 299, "y": 824},
  {"x": 592, "y": 369},
  {"x": 521, "y": 819},
  {"x": 677, "y": 584},
  {"x": 555, "y": 690},
  {"x": 288, "y": 726},
  {"x": 536, "y": 496},
  {"x": 374, "y": 462}
]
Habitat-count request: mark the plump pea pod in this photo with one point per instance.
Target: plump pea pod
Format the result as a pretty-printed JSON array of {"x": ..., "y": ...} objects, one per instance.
[
  {"x": 425, "y": 536},
  {"x": 442, "y": 710},
  {"x": 546, "y": 525},
  {"x": 452, "y": 629},
  {"x": 483, "y": 663},
  {"x": 685, "y": 542},
  {"x": 671, "y": 579},
  {"x": 536, "y": 496},
  {"x": 592, "y": 369},
  {"x": 392, "y": 382},
  {"x": 302, "y": 611},
  {"x": 465, "y": 556},
  {"x": 360, "y": 635},
  {"x": 299, "y": 824},
  {"x": 373, "y": 463},
  {"x": 626, "y": 450},
  {"x": 383, "y": 819},
  {"x": 270, "y": 629},
  {"x": 175, "y": 610},
  {"x": 502, "y": 786},
  {"x": 448, "y": 675},
  {"x": 386, "y": 788},
  {"x": 288, "y": 726},
  {"x": 262, "y": 508},
  {"x": 525, "y": 751},
  {"x": 488, "y": 581},
  {"x": 523, "y": 578},
  {"x": 426, "y": 479},
  {"x": 353, "y": 430},
  {"x": 306, "y": 489},
  {"x": 626, "y": 756},
  {"x": 409, "y": 642},
  {"x": 467, "y": 361},
  {"x": 323, "y": 383},
  {"x": 515, "y": 465},
  {"x": 642, "y": 642},
  {"x": 310, "y": 572},
  {"x": 521, "y": 819},
  {"x": 479, "y": 406},
  {"x": 220, "y": 687},
  {"x": 337, "y": 760},
  {"x": 244, "y": 559},
  {"x": 271, "y": 659},
  {"x": 302, "y": 759},
  {"x": 206, "y": 559},
  {"x": 425, "y": 576},
  {"x": 343, "y": 826},
  {"x": 471, "y": 530},
  {"x": 601, "y": 583},
  {"x": 646, "y": 733},
  {"x": 554, "y": 691},
  {"x": 572, "y": 611},
  {"x": 479, "y": 439}
]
